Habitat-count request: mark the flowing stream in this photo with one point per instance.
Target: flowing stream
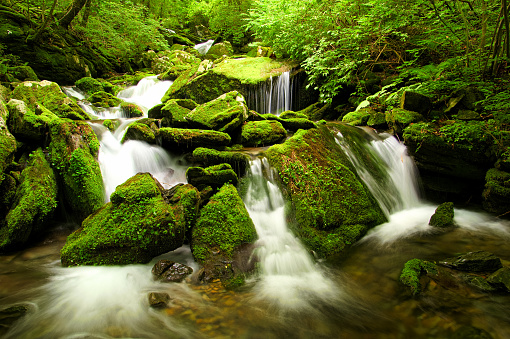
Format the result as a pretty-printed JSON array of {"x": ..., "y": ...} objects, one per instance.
[
  {"x": 273, "y": 96},
  {"x": 356, "y": 295}
]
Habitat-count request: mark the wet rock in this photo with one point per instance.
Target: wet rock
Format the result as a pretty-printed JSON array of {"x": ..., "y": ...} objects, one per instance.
[
  {"x": 170, "y": 271},
  {"x": 412, "y": 272},
  {"x": 479, "y": 261},
  {"x": 417, "y": 102},
  {"x": 359, "y": 117},
  {"x": 237, "y": 160},
  {"x": 398, "y": 119},
  {"x": 214, "y": 176},
  {"x": 465, "y": 114},
  {"x": 500, "y": 279},
  {"x": 10, "y": 315},
  {"x": 479, "y": 282},
  {"x": 104, "y": 99},
  {"x": 262, "y": 133},
  {"x": 139, "y": 131},
  {"x": 131, "y": 110},
  {"x": 469, "y": 332},
  {"x": 496, "y": 194},
  {"x": 180, "y": 140},
  {"x": 7, "y": 147},
  {"x": 91, "y": 85},
  {"x": 158, "y": 300},
  {"x": 443, "y": 216}
]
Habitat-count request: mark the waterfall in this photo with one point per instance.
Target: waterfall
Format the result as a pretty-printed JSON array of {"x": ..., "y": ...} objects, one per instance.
[
  {"x": 273, "y": 96},
  {"x": 203, "y": 48},
  {"x": 147, "y": 93},
  {"x": 289, "y": 277},
  {"x": 387, "y": 170}
]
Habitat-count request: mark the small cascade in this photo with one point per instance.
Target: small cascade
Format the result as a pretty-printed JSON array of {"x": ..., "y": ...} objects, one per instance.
[
  {"x": 387, "y": 170},
  {"x": 120, "y": 161},
  {"x": 203, "y": 48},
  {"x": 273, "y": 96},
  {"x": 289, "y": 276},
  {"x": 147, "y": 93}
]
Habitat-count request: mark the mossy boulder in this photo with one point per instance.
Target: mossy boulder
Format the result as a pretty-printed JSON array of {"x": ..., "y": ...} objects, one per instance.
[
  {"x": 74, "y": 147},
  {"x": 20, "y": 73},
  {"x": 359, "y": 117},
  {"x": 262, "y": 133},
  {"x": 222, "y": 231},
  {"x": 25, "y": 124},
  {"x": 181, "y": 140},
  {"x": 496, "y": 195},
  {"x": 224, "y": 114},
  {"x": 443, "y": 216},
  {"x": 413, "y": 270},
  {"x": 292, "y": 115},
  {"x": 208, "y": 157},
  {"x": 214, "y": 176},
  {"x": 173, "y": 112},
  {"x": 399, "y": 118},
  {"x": 7, "y": 147},
  {"x": 131, "y": 110},
  {"x": 141, "y": 132},
  {"x": 229, "y": 75},
  {"x": 170, "y": 64},
  {"x": 49, "y": 95},
  {"x": 318, "y": 111},
  {"x": 330, "y": 206},
  {"x": 416, "y": 102},
  {"x": 293, "y": 124},
  {"x": 34, "y": 203},
  {"x": 91, "y": 85},
  {"x": 104, "y": 99},
  {"x": 137, "y": 225},
  {"x": 220, "y": 49}
]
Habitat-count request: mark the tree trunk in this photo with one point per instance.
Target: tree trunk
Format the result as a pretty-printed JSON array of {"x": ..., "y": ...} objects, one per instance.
[
  {"x": 73, "y": 11},
  {"x": 86, "y": 13}
]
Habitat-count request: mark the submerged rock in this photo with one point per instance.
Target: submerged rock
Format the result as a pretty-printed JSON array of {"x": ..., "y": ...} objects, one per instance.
[
  {"x": 158, "y": 299},
  {"x": 137, "y": 225},
  {"x": 500, "y": 279},
  {"x": 221, "y": 233},
  {"x": 330, "y": 206},
  {"x": 479, "y": 261},
  {"x": 443, "y": 216},
  {"x": 33, "y": 205},
  {"x": 170, "y": 271}
]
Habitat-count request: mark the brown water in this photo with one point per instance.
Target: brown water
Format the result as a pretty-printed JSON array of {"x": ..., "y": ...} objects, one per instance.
[{"x": 373, "y": 304}]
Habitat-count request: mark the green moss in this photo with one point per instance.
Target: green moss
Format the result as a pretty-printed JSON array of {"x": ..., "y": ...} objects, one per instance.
[
  {"x": 413, "y": 270},
  {"x": 214, "y": 176},
  {"x": 139, "y": 131},
  {"x": 206, "y": 156},
  {"x": 131, "y": 110},
  {"x": 180, "y": 140},
  {"x": 251, "y": 70},
  {"x": 328, "y": 200},
  {"x": 359, "y": 117},
  {"x": 33, "y": 205},
  {"x": 89, "y": 85},
  {"x": 25, "y": 124},
  {"x": 109, "y": 124},
  {"x": 293, "y": 115},
  {"x": 133, "y": 228},
  {"x": 443, "y": 216},
  {"x": 262, "y": 133},
  {"x": 7, "y": 147},
  {"x": 223, "y": 225},
  {"x": 399, "y": 118},
  {"x": 104, "y": 99},
  {"x": 496, "y": 195},
  {"x": 293, "y": 124},
  {"x": 49, "y": 95}
]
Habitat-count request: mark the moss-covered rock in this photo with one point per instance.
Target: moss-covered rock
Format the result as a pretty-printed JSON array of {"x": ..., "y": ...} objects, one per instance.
[
  {"x": 25, "y": 124},
  {"x": 293, "y": 124},
  {"x": 496, "y": 195},
  {"x": 91, "y": 85},
  {"x": 21, "y": 73},
  {"x": 214, "y": 176},
  {"x": 131, "y": 110},
  {"x": 49, "y": 95},
  {"x": 443, "y": 216},
  {"x": 417, "y": 102},
  {"x": 7, "y": 147},
  {"x": 139, "y": 131},
  {"x": 331, "y": 208},
  {"x": 478, "y": 261},
  {"x": 181, "y": 140},
  {"x": 224, "y": 114},
  {"x": 500, "y": 279},
  {"x": 262, "y": 133},
  {"x": 229, "y": 75},
  {"x": 104, "y": 99},
  {"x": 137, "y": 225},
  {"x": 359, "y": 117},
  {"x": 8, "y": 188},
  {"x": 74, "y": 147},
  {"x": 222, "y": 229},
  {"x": 173, "y": 112},
  {"x": 292, "y": 115},
  {"x": 220, "y": 49},
  {"x": 413, "y": 270},
  {"x": 208, "y": 157},
  {"x": 399, "y": 118},
  {"x": 33, "y": 205},
  {"x": 319, "y": 111},
  {"x": 170, "y": 64}
]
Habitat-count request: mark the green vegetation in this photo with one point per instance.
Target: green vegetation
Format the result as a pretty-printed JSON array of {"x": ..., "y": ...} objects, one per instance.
[
  {"x": 413, "y": 270},
  {"x": 208, "y": 157},
  {"x": 214, "y": 176},
  {"x": 443, "y": 216},
  {"x": 262, "y": 133},
  {"x": 180, "y": 140}
]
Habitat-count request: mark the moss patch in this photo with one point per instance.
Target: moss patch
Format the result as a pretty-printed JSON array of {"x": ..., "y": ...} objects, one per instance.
[
  {"x": 262, "y": 133},
  {"x": 181, "y": 140},
  {"x": 237, "y": 160},
  {"x": 443, "y": 216},
  {"x": 413, "y": 270}
]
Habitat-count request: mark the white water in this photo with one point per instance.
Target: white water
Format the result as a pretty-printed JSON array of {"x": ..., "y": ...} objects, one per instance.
[
  {"x": 289, "y": 278},
  {"x": 204, "y": 47},
  {"x": 273, "y": 97},
  {"x": 147, "y": 93}
]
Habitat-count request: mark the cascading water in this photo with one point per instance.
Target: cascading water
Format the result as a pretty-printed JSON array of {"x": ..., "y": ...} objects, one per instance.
[
  {"x": 289, "y": 277},
  {"x": 204, "y": 47},
  {"x": 147, "y": 93},
  {"x": 273, "y": 96}
]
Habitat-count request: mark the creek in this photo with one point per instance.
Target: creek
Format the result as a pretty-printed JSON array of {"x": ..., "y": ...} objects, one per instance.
[{"x": 356, "y": 295}]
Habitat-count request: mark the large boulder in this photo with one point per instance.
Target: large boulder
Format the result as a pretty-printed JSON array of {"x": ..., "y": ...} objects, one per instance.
[
  {"x": 74, "y": 148},
  {"x": 25, "y": 124},
  {"x": 137, "y": 225},
  {"x": 222, "y": 231},
  {"x": 173, "y": 112},
  {"x": 443, "y": 216},
  {"x": 229, "y": 75},
  {"x": 170, "y": 64},
  {"x": 330, "y": 206},
  {"x": 7, "y": 146},
  {"x": 416, "y": 102},
  {"x": 140, "y": 131},
  {"x": 181, "y": 140},
  {"x": 49, "y": 95},
  {"x": 104, "y": 99},
  {"x": 262, "y": 133},
  {"x": 496, "y": 195},
  {"x": 478, "y": 261},
  {"x": 91, "y": 85},
  {"x": 224, "y": 114},
  {"x": 33, "y": 205},
  {"x": 220, "y": 49},
  {"x": 237, "y": 160}
]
